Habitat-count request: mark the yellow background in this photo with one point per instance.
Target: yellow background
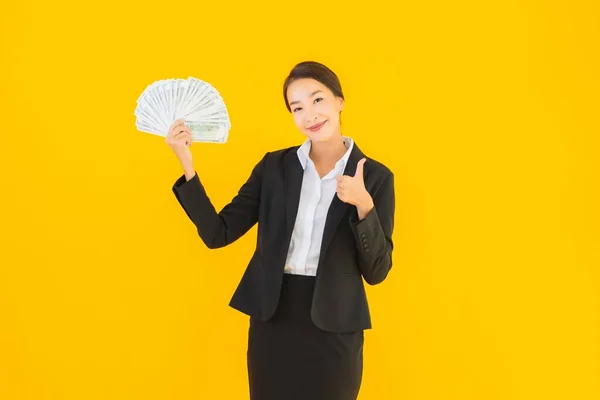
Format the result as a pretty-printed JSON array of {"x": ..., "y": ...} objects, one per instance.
[{"x": 487, "y": 112}]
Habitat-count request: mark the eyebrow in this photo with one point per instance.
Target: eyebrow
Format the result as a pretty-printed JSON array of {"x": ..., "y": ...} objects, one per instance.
[{"x": 311, "y": 95}]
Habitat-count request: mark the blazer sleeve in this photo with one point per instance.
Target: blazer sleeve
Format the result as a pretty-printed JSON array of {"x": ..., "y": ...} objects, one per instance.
[
  {"x": 219, "y": 229},
  {"x": 373, "y": 234}
]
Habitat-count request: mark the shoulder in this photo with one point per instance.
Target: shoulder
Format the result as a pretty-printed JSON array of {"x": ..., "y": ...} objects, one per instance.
[
  {"x": 278, "y": 154},
  {"x": 375, "y": 170},
  {"x": 273, "y": 158},
  {"x": 378, "y": 177},
  {"x": 374, "y": 167},
  {"x": 377, "y": 167}
]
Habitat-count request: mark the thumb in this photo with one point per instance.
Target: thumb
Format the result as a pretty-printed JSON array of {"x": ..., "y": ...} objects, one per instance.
[{"x": 359, "y": 168}]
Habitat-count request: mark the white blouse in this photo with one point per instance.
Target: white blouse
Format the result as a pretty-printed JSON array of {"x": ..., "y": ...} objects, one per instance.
[{"x": 315, "y": 198}]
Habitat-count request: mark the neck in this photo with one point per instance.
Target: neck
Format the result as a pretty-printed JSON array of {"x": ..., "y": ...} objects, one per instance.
[{"x": 328, "y": 151}]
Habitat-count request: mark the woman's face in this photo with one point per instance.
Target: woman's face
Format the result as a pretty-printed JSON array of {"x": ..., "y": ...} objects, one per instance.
[{"x": 313, "y": 105}]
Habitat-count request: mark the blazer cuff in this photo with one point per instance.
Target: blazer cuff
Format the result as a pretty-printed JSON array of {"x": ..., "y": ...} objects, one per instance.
[
  {"x": 182, "y": 181},
  {"x": 366, "y": 229},
  {"x": 190, "y": 195}
]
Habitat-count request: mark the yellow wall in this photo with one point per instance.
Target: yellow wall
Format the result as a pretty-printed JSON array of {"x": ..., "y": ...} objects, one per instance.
[{"x": 487, "y": 113}]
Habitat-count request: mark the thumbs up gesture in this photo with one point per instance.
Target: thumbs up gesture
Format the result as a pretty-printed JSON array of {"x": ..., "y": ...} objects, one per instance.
[{"x": 351, "y": 189}]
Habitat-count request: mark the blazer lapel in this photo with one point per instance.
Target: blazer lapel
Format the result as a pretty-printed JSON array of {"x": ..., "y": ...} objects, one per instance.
[
  {"x": 293, "y": 185},
  {"x": 338, "y": 208}
]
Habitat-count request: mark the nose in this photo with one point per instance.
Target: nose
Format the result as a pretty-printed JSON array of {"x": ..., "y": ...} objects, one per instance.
[{"x": 311, "y": 116}]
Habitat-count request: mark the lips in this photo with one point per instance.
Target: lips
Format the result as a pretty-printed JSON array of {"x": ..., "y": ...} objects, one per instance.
[{"x": 316, "y": 127}]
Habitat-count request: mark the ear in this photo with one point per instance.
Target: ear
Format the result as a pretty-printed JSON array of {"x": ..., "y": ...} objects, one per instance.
[{"x": 341, "y": 104}]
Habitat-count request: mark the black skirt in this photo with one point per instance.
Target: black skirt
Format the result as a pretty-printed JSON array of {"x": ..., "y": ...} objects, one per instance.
[{"x": 290, "y": 358}]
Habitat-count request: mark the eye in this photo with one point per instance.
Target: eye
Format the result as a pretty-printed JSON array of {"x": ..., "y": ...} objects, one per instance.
[{"x": 300, "y": 108}]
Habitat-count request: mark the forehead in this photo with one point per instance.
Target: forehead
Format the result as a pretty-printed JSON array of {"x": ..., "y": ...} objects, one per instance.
[{"x": 303, "y": 88}]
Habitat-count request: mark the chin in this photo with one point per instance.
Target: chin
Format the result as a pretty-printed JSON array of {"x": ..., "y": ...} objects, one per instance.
[{"x": 319, "y": 136}]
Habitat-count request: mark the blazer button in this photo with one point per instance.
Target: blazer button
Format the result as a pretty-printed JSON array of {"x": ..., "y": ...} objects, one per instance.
[{"x": 363, "y": 235}]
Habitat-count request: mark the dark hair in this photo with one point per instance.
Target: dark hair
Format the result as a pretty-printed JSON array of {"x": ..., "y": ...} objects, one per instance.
[{"x": 314, "y": 70}]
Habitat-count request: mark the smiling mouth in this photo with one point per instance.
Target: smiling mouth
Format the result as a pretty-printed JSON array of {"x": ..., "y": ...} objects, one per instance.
[{"x": 316, "y": 127}]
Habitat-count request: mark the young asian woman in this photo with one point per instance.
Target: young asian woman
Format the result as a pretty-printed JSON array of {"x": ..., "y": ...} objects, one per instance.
[{"x": 325, "y": 215}]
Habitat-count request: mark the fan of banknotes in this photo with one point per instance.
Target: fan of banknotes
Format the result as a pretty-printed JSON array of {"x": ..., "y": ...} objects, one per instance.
[{"x": 197, "y": 102}]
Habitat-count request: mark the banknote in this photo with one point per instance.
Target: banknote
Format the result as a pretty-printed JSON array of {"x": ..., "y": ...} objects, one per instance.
[
  {"x": 198, "y": 102},
  {"x": 207, "y": 132}
]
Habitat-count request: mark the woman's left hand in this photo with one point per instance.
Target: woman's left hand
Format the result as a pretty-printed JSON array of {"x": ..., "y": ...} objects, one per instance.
[{"x": 351, "y": 189}]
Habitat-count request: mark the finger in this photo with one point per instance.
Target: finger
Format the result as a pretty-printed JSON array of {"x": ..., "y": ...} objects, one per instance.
[
  {"x": 343, "y": 178},
  {"x": 174, "y": 131},
  {"x": 359, "y": 168},
  {"x": 183, "y": 130},
  {"x": 180, "y": 135},
  {"x": 176, "y": 124},
  {"x": 176, "y": 128}
]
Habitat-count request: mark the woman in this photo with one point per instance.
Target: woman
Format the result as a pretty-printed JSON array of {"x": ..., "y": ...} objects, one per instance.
[{"x": 325, "y": 219}]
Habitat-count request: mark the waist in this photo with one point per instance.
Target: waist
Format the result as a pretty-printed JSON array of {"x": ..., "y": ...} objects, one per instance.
[
  {"x": 298, "y": 277},
  {"x": 300, "y": 271}
]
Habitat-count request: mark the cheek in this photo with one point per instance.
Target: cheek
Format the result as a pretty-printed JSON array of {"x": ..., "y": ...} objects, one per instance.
[
  {"x": 325, "y": 109},
  {"x": 298, "y": 119}
]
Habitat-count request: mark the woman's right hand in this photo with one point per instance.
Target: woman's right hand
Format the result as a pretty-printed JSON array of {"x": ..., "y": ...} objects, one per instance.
[{"x": 179, "y": 139}]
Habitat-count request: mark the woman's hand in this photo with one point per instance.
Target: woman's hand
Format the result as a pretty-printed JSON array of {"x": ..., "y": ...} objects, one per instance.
[
  {"x": 179, "y": 139},
  {"x": 351, "y": 189}
]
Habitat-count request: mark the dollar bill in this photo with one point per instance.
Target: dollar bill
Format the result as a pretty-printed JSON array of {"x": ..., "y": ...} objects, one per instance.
[{"x": 207, "y": 132}]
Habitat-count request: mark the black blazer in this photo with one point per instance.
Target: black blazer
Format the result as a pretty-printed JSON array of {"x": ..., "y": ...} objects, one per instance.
[{"x": 351, "y": 250}]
